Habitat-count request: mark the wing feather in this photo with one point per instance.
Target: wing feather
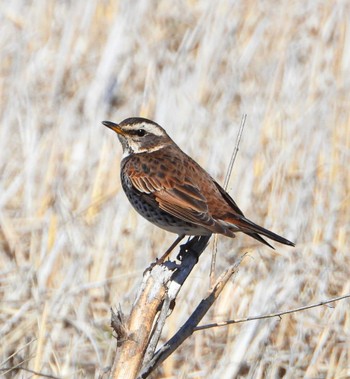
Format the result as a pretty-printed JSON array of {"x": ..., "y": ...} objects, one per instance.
[
  {"x": 187, "y": 198},
  {"x": 179, "y": 197}
]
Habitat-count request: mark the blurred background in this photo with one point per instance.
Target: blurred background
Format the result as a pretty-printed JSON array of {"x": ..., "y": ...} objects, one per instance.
[{"x": 71, "y": 246}]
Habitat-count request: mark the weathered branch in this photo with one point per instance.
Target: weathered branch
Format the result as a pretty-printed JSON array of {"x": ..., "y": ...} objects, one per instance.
[
  {"x": 140, "y": 322},
  {"x": 189, "y": 255},
  {"x": 161, "y": 282},
  {"x": 189, "y": 327}
]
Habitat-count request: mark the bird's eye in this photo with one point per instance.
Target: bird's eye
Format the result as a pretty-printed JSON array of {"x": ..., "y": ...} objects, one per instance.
[{"x": 141, "y": 132}]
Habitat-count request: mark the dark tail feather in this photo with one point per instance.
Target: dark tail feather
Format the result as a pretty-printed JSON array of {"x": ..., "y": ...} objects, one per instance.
[
  {"x": 253, "y": 230},
  {"x": 260, "y": 239},
  {"x": 247, "y": 226}
]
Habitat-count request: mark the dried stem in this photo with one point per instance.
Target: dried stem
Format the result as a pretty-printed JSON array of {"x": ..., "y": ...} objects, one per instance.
[
  {"x": 227, "y": 179},
  {"x": 271, "y": 315}
]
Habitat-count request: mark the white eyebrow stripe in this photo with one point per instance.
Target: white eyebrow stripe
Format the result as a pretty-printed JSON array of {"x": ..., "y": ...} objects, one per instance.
[
  {"x": 154, "y": 129},
  {"x": 151, "y": 128}
]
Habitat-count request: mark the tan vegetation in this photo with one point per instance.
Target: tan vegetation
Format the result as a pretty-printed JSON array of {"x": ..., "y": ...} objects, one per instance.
[{"x": 70, "y": 244}]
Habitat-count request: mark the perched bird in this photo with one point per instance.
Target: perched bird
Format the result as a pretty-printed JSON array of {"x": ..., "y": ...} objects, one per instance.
[{"x": 174, "y": 192}]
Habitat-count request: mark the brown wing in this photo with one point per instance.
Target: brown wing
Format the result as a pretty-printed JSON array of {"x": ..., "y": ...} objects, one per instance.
[
  {"x": 181, "y": 200},
  {"x": 228, "y": 199},
  {"x": 176, "y": 195}
]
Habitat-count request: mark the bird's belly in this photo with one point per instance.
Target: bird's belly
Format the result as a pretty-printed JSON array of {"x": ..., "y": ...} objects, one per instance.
[{"x": 163, "y": 219}]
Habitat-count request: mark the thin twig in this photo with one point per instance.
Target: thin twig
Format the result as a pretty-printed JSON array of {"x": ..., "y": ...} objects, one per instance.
[
  {"x": 235, "y": 151},
  {"x": 19, "y": 367},
  {"x": 227, "y": 179},
  {"x": 270, "y": 315},
  {"x": 17, "y": 352}
]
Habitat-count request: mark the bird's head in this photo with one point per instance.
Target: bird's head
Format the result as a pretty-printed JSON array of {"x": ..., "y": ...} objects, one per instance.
[{"x": 139, "y": 135}]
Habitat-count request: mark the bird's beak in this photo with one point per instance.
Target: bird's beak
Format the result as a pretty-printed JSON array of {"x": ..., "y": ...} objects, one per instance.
[{"x": 113, "y": 126}]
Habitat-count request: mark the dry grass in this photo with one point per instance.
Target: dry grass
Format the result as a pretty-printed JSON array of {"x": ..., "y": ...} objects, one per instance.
[{"x": 70, "y": 244}]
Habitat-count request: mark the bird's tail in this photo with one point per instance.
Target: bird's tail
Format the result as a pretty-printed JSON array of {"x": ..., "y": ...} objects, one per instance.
[{"x": 253, "y": 230}]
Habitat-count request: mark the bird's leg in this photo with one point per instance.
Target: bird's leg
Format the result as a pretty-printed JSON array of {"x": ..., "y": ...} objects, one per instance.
[
  {"x": 171, "y": 248},
  {"x": 165, "y": 255}
]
